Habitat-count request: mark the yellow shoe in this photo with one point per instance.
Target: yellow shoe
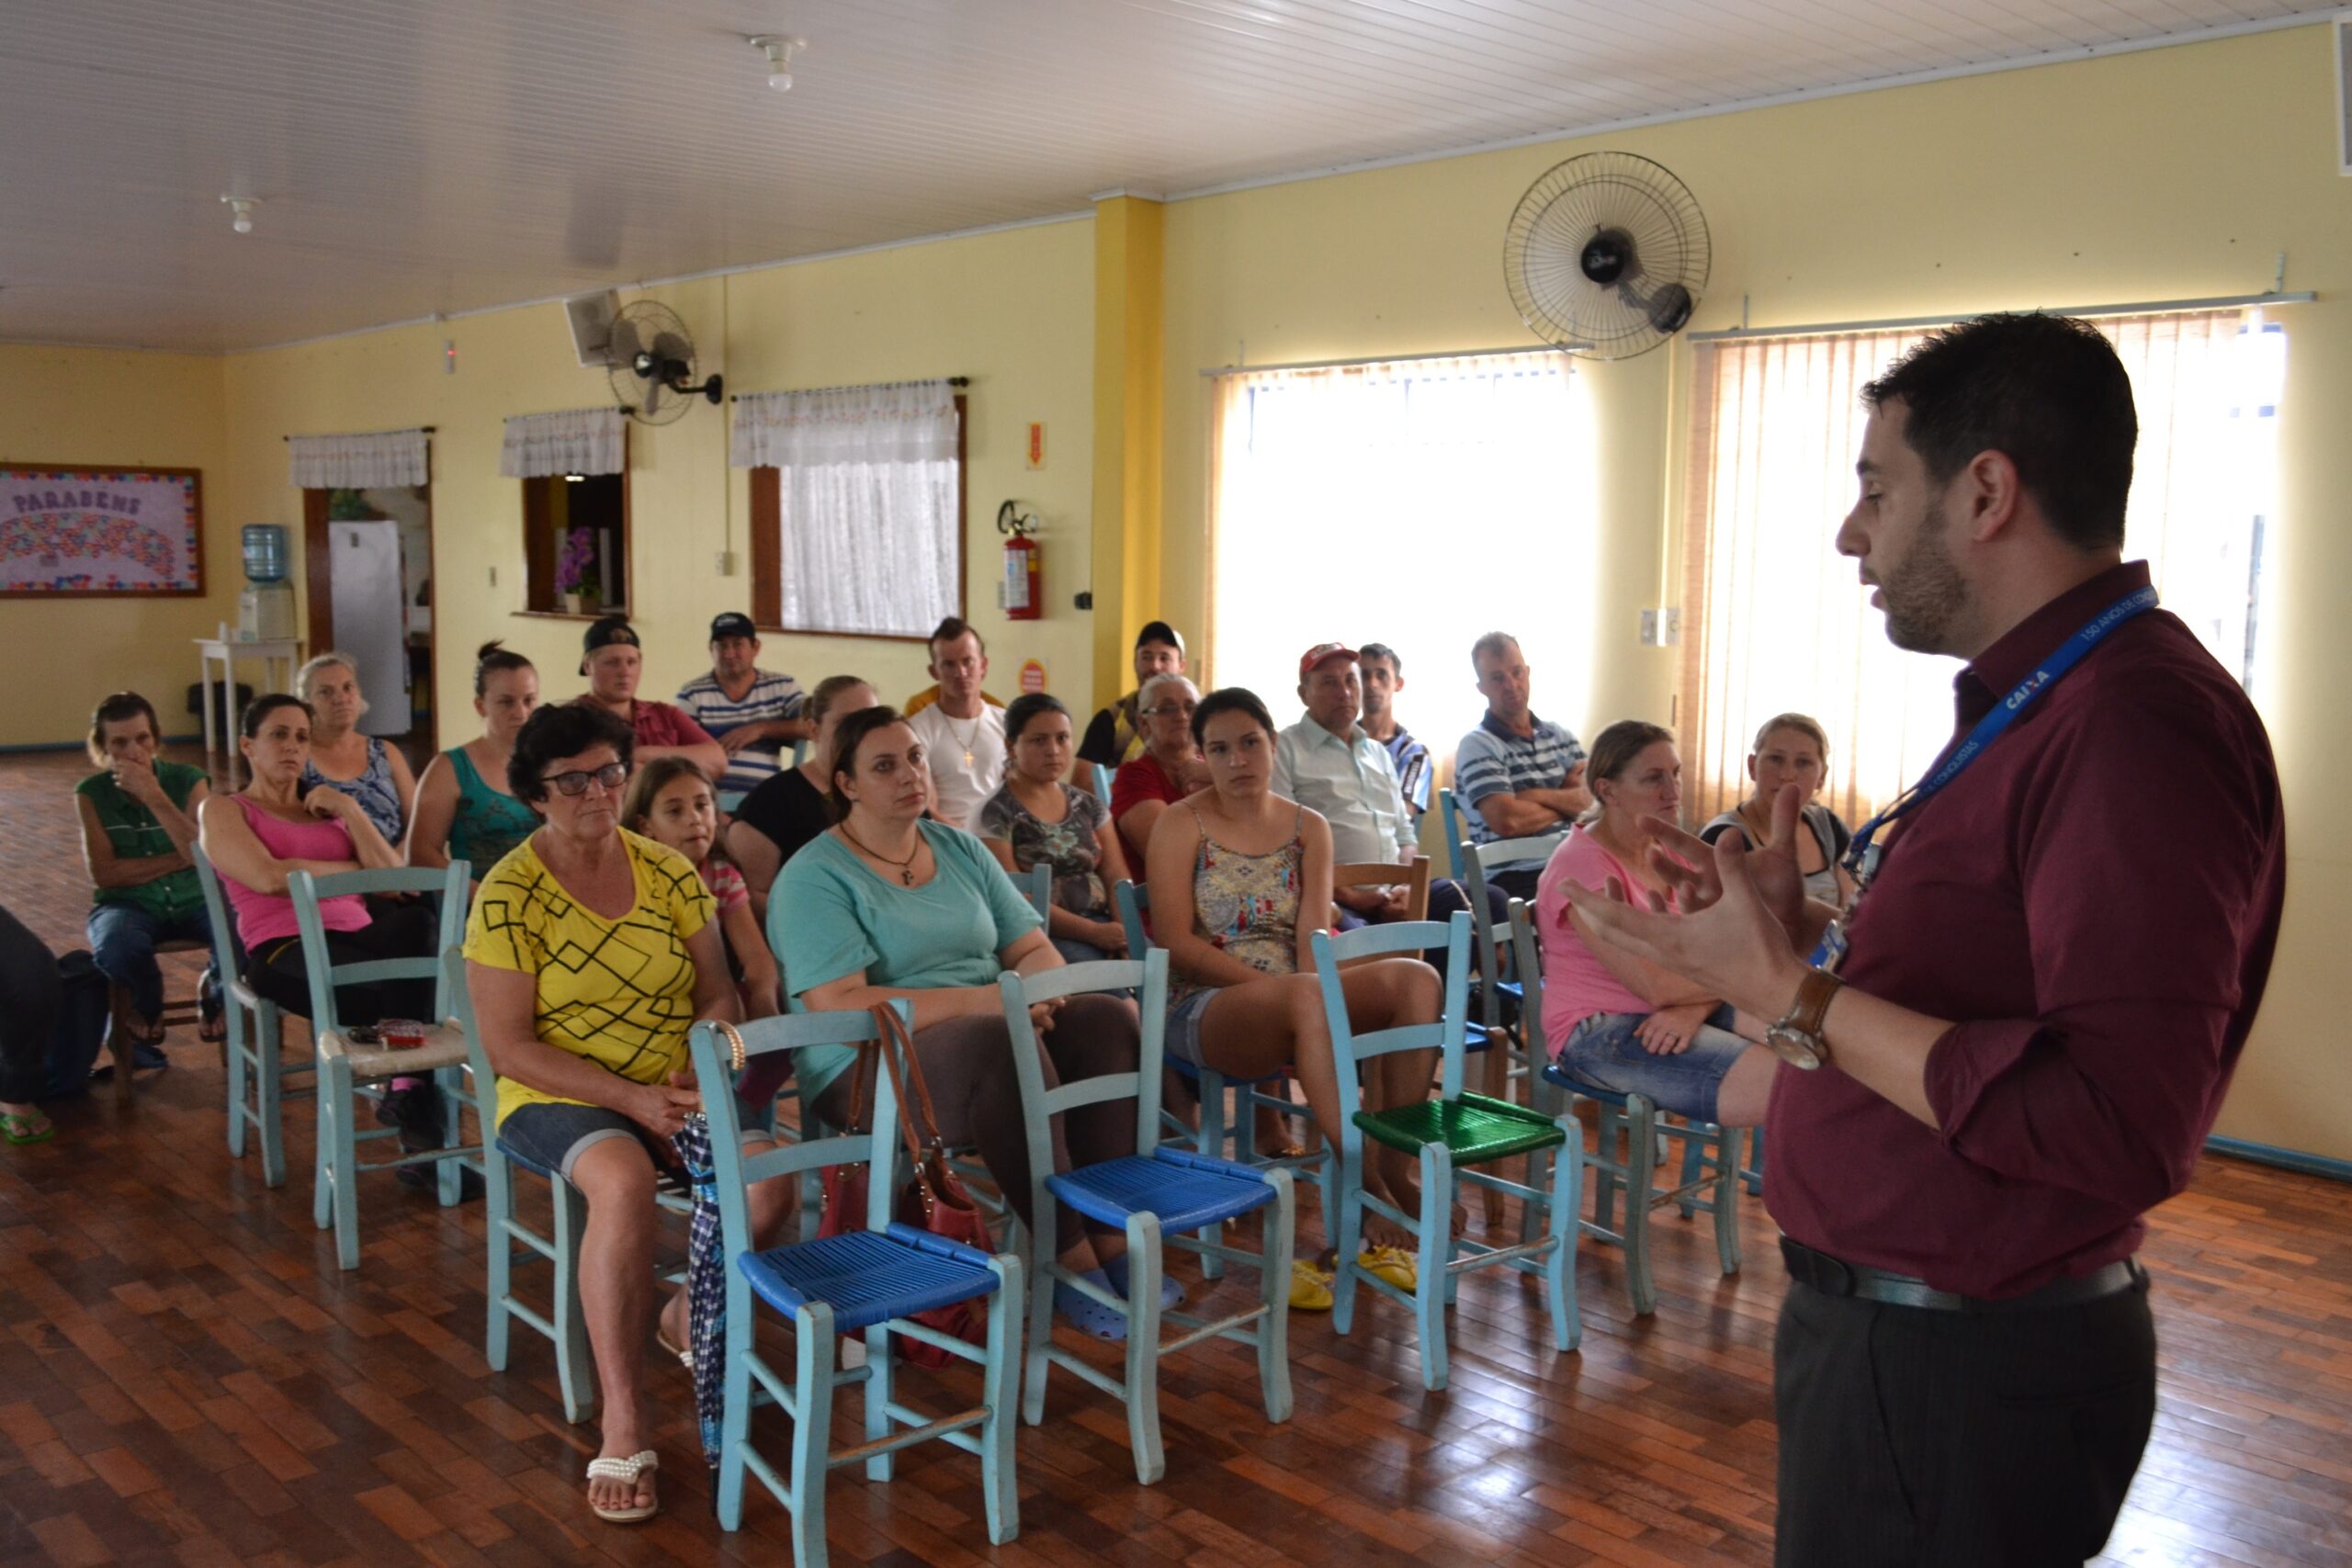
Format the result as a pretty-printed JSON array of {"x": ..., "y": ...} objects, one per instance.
[
  {"x": 1310, "y": 1288},
  {"x": 1393, "y": 1264}
]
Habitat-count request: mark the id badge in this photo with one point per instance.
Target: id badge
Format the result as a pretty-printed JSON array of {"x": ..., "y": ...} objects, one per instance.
[{"x": 1830, "y": 950}]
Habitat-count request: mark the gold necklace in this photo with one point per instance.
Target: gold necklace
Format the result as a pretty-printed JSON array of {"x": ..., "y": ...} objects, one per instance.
[
  {"x": 966, "y": 740},
  {"x": 906, "y": 867}
]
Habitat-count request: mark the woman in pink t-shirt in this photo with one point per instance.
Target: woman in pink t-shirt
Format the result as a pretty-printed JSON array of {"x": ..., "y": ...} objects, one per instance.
[{"x": 1615, "y": 1021}]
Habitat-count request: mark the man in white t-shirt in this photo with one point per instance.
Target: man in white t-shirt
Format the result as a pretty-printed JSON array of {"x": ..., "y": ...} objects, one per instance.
[{"x": 962, "y": 733}]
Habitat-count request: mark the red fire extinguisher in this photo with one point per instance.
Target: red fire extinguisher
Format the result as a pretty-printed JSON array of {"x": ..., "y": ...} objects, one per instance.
[{"x": 1024, "y": 589}]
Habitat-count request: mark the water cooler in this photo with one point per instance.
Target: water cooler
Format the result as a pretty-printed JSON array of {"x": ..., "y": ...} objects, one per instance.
[{"x": 265, "y": 607}]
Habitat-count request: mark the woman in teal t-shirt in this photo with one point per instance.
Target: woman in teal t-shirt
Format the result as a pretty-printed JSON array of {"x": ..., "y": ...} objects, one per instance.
[
  {"x": 465, "y": 808},
  {"x": 888, "y": 904},
  {"x": 137, "y": 828}
]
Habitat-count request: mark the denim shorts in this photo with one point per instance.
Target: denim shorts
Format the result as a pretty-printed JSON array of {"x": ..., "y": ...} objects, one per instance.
[
  {"x": 1604, "y": 1051},
  {"x": 554, "y": 1134},
  {"x": 1182, "y": 1040}
]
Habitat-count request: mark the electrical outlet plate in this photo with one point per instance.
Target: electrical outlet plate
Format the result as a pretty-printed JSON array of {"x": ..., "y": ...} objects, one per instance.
[
  {"x": 1661, "y": 626},
  {"x": 1649, "y": 628},
  {"x": 724, "y": 563}
]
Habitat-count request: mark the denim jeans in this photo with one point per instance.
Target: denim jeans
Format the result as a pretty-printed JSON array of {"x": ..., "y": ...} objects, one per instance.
[
  {"x": 122, "y": 945},
  {"x": 1606, "y": 1052}
]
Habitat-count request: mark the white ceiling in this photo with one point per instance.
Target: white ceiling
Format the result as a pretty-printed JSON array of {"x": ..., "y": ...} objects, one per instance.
[{"x": 414, "y": 156}]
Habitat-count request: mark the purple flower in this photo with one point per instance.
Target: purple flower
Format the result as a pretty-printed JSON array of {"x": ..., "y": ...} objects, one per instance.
[{"x": 572, "y": 566}]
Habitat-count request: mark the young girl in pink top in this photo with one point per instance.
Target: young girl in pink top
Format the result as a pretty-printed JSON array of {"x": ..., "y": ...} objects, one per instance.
[
  {"x": 671, "y": 801},
  {"x": 1615, "y": 1021}
]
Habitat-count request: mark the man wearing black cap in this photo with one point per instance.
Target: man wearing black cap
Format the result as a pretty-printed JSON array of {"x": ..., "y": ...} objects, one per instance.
[
  {"x": 610, "y": 659},
  {"x": 1116, "y": 734},
  {"x": 754, "y": 712}
]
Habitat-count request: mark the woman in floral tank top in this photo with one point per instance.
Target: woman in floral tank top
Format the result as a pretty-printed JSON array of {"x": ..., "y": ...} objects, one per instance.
[{"x": 1240, "y": 881}]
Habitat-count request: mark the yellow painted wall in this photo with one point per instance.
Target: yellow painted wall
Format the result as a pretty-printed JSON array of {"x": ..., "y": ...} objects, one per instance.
[
  {"x": 1012, "y": 311},
  {"x": 98, "y": 407},
  {"x": 2163, "y": 175}
]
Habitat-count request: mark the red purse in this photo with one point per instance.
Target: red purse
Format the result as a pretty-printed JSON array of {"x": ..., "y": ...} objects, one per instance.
[{"x": 933, "y": 1198}]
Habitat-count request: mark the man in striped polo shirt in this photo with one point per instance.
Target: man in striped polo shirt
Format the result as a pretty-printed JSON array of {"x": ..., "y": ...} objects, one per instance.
[
  {"x": 1515, "y": 776},
  {"x": 754, "y": 712}
]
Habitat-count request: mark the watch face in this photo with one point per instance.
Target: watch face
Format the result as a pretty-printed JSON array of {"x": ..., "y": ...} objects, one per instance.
[{"x": 1800, "y": 1051}]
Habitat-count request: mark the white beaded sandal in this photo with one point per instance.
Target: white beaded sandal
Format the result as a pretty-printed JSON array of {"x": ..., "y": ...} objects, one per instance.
[{"x": 626, "y": 1470}]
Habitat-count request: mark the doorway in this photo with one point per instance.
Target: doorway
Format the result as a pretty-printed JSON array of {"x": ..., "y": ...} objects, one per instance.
[{"x": 368, "y": 562}]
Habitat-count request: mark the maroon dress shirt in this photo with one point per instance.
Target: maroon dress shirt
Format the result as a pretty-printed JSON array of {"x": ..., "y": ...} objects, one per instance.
[{"x": 2094, "y": 901}]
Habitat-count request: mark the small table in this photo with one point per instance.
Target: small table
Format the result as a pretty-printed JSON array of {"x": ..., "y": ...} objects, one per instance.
[{"x": 226, "y": 650}]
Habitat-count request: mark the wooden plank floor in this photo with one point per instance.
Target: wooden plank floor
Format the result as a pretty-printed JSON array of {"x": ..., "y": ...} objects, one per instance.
[{"x": 186, "y": 1378}]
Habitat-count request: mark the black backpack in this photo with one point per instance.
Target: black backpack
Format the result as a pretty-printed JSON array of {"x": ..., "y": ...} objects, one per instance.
[{"x": 81, "y": 1029}]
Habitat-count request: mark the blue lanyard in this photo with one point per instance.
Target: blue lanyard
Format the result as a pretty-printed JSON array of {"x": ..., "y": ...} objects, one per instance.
[{"x": 1987, "y": 729}]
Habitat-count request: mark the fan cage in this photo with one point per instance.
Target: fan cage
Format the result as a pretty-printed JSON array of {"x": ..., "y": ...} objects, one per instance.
[{"x": 1585, "y": 196}]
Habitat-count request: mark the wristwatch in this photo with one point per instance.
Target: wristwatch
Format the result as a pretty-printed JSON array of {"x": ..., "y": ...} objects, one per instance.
[{"x": 1796, "y": 1039}]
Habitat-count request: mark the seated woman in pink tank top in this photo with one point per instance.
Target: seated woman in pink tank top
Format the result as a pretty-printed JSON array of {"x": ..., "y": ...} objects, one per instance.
[
  {"x": 273, "y": 827},
  {"x": 1619, "y": 1022}
]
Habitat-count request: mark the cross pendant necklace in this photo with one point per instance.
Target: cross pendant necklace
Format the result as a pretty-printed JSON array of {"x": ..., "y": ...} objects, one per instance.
[{"x": 906, "y": 867}]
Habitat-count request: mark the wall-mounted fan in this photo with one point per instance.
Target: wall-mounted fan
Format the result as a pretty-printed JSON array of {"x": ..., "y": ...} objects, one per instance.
[
  {"x": 650, "y": 359},
  {"x": 1606, "y": 253}
]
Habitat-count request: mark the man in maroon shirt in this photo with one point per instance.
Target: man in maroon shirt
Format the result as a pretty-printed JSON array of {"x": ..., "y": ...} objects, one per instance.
[
  {"x": 610, "y": 659},
  {"x": 2046, "y": 984}
]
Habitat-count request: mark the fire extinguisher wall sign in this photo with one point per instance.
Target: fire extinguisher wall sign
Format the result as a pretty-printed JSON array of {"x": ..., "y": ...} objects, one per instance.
[{"x": 1024, "y": 591}]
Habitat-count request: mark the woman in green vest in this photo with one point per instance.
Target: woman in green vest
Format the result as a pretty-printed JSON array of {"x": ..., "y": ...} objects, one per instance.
[{"x": 138, "y": 838}]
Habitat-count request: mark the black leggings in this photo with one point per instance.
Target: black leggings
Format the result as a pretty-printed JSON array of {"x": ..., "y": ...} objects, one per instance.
[
  {"x": 30, "y": 995},
  {"x": 396, "y": 928}
]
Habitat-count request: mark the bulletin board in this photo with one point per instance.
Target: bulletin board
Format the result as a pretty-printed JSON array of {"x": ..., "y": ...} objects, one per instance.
[{"x": 100, "y": 532}]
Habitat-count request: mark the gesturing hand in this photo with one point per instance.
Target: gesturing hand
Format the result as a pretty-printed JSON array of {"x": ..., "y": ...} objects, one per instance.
[
  {"x": 1733, "y": 946},
  {"x": 1689, "y": 865}
]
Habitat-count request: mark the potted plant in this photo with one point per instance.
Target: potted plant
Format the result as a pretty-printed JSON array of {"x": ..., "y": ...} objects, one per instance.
[{"x": 572, "y": 569}]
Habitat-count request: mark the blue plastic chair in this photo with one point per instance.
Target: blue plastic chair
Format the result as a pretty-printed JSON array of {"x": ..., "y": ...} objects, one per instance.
[
  {"x": 255, "y": 1049},
  {"x": 873, "y": 1280},
  {"x": 562, "y": 1325},
  {"x": 1215, "y": 1133},
  {"x": 1154, "y": 1196},
  {"x": 344, "y": 1067},
  {"x": 1708, "y": 1184},
  {"x": 1451, "y": 1135}
]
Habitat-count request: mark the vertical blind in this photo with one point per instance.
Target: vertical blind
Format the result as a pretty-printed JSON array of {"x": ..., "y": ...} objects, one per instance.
[{"x": 1775, "y": 620}]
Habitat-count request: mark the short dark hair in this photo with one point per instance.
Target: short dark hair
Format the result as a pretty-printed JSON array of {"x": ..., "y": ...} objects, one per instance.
[
  {"x": 494, "y": 657},
  {"x": 116, "y": 709},
  {"x": 257, "y": 712},
  {"x": 1028, "y": 706},
  {"x": 563, "y": 730},
  {"x": 949, "y": 630},
  {"x": 1373, "y": 650},
  {"x": 1230, "y": 699},
  {"x": 848, "y": 736},
  {"x": 2047, "y": 392}
]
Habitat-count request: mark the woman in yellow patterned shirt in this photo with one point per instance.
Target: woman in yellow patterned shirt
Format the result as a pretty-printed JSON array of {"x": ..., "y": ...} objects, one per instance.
[{"x": 589, "y": 954}]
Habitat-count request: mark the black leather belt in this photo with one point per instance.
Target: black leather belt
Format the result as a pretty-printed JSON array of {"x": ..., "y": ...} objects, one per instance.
[{"x": 1835, "y": 1277}]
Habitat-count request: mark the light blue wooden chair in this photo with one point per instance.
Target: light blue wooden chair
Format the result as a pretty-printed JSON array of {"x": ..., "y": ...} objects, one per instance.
[
  {"x": 1102, "y": 783},
  {"x": 1156, "y": 1196},
  {"x": 1497, "y": 980},
  {"x": 731, "y": 800},
  {"x": 1233, "y": 1139},
  {"x": 255, "y": 1042},
  {"x": 345, "y": 1067},
  {"x": 1709, "y": 1185},
  {"x": 1037, "y": 883},
  {"x": 1457, "y": 835},
  {"x": 1452, "y": 1136},
  {"x": 873, "y": 1280},
  {"x": 799, "y": 752},
  {"x": 562, "y": 1325}
]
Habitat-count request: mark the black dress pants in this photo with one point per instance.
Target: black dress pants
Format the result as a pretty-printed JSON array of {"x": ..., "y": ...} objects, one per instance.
[
  {"x": 397, "y": 927},
  {"x": 1914, "y": 1438}
]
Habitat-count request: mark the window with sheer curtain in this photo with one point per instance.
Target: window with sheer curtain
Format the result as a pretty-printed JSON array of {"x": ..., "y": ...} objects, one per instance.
[
  {"x": 857, "y": 507},
  {"x": 1774, "y": 620},
  {"x": 1416, "y": 502}
]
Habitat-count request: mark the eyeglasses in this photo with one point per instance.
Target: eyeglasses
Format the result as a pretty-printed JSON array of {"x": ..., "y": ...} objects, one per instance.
[
  {"x": 1167, "y": 710},
  {"x": 612, "y": 775}
]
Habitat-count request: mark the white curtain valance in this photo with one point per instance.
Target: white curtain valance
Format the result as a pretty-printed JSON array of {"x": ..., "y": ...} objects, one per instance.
[
  {"x": 899, "y": 421},
  {"x": 373, "y": 460},
  {"x": 569, "y": 441}
]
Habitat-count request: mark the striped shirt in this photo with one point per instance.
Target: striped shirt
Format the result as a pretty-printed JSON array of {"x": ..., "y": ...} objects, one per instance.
[
  {"x": 1493, "y": 759},
  {"x": 771, "y": 696},
  {"x": 1412, "y": 760}
]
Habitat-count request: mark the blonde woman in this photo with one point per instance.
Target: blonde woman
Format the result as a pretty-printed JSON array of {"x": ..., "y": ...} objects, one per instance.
[
  {"x": 361, "y": 766},
  {"x": 1792, "y": 750}
]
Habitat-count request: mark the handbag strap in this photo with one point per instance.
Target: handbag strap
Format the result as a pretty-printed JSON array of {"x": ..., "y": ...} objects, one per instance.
[{"x": 916, "y": 1121}]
